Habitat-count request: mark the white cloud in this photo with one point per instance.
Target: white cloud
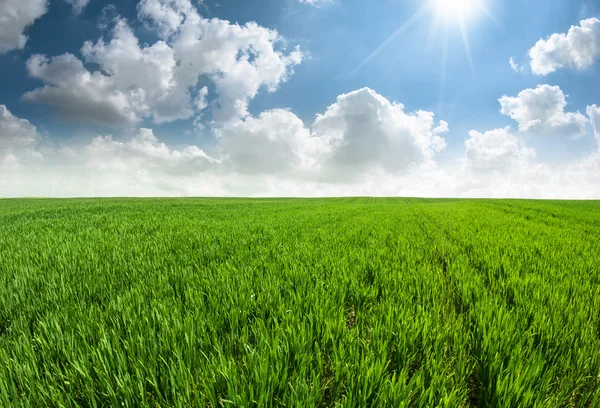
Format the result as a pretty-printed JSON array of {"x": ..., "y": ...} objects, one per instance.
[
  {"x": 158, "y": 81},
  {"x": 136, "y": 82},
  {"x": 498, "y": 164},
  {"x": 542, "y": 111},
  {"x": 80, "y": 95},
  {"x": 594, "y": 114},
  {"x": 276, "y": 141},
  {"x": 240, "y": 60},
  {"x": 149, "y": 70},
  {"x": 514, "y": 65},
  {"x": 15, "y": 132},
  {"x": 167, "y": 15},
  {"x": 362, "y": 144},
  {"x": 200, "y": 101},
  {"x": 17, "y": 136},
  {"x": 15, "y": 17},
  {"x": 361, "y": 132},
  {"x": 496, "y": 150},
  {"x": 579, "y": 48},
  {"x": 78, "y": 5},
  {"x": 145, "y": 153},
  {"x": 137, "y": 164},
  {"x": 367, "y": 130}
]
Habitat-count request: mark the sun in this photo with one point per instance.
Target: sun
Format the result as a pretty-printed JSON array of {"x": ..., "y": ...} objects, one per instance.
[
  {"x": 455, "y": 10},
  {"x": 448, "y": 15}
]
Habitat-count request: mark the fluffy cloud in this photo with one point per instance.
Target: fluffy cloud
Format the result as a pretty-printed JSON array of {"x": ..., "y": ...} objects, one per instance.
[
  {"x": 542, "y": 111},
  {"x": 362, "y": 144},
  {"x": 162, "y": 81},
  {"x": 276, "y": 141},
  {"x": 17, "y": 137},
  {"x": 167, "y": 15},
  {"x": 367, "y": 130},
  {"x": 15, "y": 17},
  {"x": 579, "y": 48},
  {"x": 361, "y": 132},
  {"x": 15, "y": 132},
  {"x": 145, "y": 153},
  {"x": 240, "y": 60},
  {"x": 78, "y": 5},
  {"x": 136, "y": 82},
  {"x": 149, "y": 70},
  {"x": 498, "y": 164},
  {"x": 496, "y": 150},
  {"x": 594, "y": 114},
  {"x": 81, "y": 95},
  {"x": 137, "y": 164}
]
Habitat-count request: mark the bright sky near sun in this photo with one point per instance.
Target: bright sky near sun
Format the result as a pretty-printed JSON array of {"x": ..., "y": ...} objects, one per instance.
[{"x": 469, "y": 98}]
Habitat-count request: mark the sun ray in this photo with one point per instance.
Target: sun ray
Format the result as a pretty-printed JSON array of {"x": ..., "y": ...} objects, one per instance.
[
  {"x": 444, "y": 12},
  {"x": 443, "y": 73},
  {"x": 481, "y": 5},
  {"x": 466, "y": 43},
  {"x": 400, "y": 30},
  {"x": 433, "y": 30}
]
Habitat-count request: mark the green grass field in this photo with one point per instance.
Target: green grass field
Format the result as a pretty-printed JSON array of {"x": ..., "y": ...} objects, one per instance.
[{"x": 334, "y": 302}]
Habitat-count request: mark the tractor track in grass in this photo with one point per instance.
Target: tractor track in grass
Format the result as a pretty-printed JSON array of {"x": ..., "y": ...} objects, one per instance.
[
  {"x": 546, "y": 217},
  {"x": 429, "y": 222},
  {"x": 427, "y": 225},
  {"x": 481, "y": 387}
]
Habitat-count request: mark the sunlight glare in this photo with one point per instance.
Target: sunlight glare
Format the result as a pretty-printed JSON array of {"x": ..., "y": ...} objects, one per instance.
[
  {"x": 446, "y": 13},
  {"x": 457, "y": 10}
]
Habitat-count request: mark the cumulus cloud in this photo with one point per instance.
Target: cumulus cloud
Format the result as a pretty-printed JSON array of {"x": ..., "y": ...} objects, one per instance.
[
  {"x": 137, "y": 164},
  {"x": 136, "y": 82},
  {"x": 15, "y": 132},
  {"x": 578, "y": 48},
  {"x": 201, "y": 100},
  {"x": 239, "y": 60},
  {"x": 17, "y": 137},
  {"x": 361, "y": 132},
  {"x": 542, "y": 111},
  {"x": 362, "y": 144},
  {"x": 496, "y": 150},
  {"x": 274, "y": 142},
  {"x": 366, "y": 130},
  {"x": 145, "y": 153},
  {"x": 161, "y": 81},
  {"x": 167, "y": 15},
  {"x": 498, "y": 164},
  {"x": 15, "y": 17},
  {"x": 81, "y": 95},
  {"x": 148, "y": 70}
]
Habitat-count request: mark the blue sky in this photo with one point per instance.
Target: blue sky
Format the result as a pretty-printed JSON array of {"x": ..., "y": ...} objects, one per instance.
[{"x": 334, "y": 37}]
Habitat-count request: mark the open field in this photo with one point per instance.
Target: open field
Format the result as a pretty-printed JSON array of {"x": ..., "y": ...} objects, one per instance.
[{"x": 332, "y": 302}]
